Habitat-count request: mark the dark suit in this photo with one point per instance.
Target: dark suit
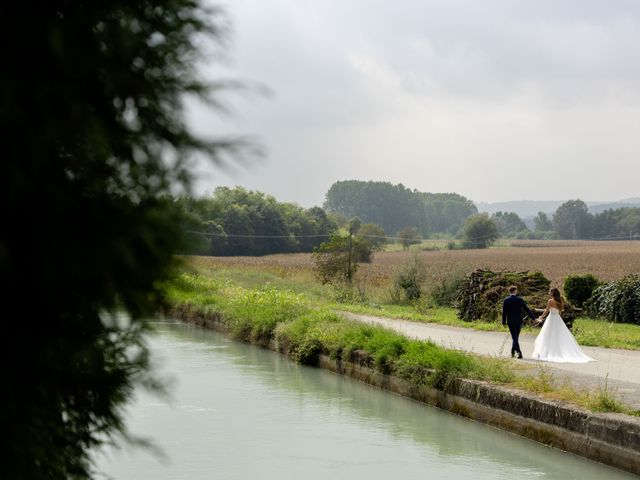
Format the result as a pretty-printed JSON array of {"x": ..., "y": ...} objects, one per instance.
[{"x": 512, "y": 308}]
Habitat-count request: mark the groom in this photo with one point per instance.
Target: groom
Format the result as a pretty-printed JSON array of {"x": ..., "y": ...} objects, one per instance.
[{"x": 512, "y": 316}]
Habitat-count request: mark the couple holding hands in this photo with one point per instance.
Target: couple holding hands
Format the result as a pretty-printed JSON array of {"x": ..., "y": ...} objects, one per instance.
[{"x": 554, "y": 343}]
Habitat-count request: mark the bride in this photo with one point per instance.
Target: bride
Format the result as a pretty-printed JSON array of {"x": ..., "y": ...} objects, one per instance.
[{"x": 555, "y": 343}]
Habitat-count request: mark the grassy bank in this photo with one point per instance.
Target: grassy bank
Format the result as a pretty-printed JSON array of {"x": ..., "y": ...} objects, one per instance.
[{"x": 305, "y": 329}]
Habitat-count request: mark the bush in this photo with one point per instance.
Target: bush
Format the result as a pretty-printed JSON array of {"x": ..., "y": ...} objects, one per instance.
[
  {"x": 617, "y": 301},
  {"x": 579, "y": 288},
  {"x": 408, "y": 280},
  {"x": 445, "y": 293},
  {"x": 350, "y": 293}
]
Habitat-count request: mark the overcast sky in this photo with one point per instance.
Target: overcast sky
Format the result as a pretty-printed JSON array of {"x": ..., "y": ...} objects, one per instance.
[{"x": 495, "y": 100}]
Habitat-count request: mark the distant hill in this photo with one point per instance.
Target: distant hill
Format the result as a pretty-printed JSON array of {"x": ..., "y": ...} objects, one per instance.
[
  {"x": 524, "y": 208},
  {"x": 530, "y": 208},
  {"x": 601, "y": 207}
]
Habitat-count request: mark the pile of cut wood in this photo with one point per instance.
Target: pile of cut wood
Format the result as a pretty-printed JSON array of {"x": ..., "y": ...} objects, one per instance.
[{"x": 480, "y": 296}]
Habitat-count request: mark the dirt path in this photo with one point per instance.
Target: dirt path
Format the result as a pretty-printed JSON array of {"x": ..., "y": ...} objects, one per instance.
[{"x": 619, "y": 370}]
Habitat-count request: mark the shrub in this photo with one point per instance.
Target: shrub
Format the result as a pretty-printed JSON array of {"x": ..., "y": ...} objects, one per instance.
[
  {"x": 452, "y": 245},
  {"x": 350, "y": 293},
  {"x": 445, "y": 293},
  {"x": 579, "y": 288},
  {"x": 408, "y": 280},
  {"x": 336, "y": 261},
  {"x": 617, "y": 301}
]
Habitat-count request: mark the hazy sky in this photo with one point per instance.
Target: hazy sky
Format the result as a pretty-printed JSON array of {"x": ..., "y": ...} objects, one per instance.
[{"x": 495, "y": 100}]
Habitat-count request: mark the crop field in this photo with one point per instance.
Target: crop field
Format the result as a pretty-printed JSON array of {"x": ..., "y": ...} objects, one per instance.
[{"x": 555, "y": 259}]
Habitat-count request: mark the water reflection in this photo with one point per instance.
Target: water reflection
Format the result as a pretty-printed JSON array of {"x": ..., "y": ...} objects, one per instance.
[{"x": 242, "y": 411}]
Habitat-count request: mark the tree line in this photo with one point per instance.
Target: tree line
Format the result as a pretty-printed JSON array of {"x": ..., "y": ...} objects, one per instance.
[
  {"x": 236, "y": 221},
  {"x": 572, "y": 220},
  {"x": 396, "y": 207}
]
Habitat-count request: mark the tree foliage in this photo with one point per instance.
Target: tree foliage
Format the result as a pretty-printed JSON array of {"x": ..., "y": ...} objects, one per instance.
[
  {"x": 236, "y": 221},
  {"x": 617, "y": 301},
  {"x": 579, "y": 288},
  {"x": 337, "y": 260},
  {"x": 572, "y": 220},
  {"x": 395, "y": 207},
  {"x": 621, "y": 223},
  {"x": 479, "y": 231},
  {"x": 374, "y": 235},
  {"x": 542, "y": 223},
  {"x": 509, "y": 224},
  {"x": 92, "y": 101}
]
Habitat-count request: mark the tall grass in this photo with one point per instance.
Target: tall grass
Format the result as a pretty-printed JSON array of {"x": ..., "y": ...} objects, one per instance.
[
  {"x": 254, "y": 314},
  {"x": 601, "y": 333}
]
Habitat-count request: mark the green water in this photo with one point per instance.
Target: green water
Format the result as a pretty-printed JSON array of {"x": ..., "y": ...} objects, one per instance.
[{"x": 241, "y": 412}]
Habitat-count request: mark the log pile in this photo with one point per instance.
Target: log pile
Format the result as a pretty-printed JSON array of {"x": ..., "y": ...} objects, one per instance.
[{"x": 480, "y": 296}]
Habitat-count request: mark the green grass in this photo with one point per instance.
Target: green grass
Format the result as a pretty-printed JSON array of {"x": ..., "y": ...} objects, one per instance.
[
  {"x": 600, "y": 333},
  {"x": 541, "y": 383},
  {"x": 604, "y": 400},
  {"x": 302, "y": 283}
]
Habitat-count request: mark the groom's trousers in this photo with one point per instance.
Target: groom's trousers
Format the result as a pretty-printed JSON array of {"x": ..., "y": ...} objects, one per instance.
[{"x": 515, "y": 328}]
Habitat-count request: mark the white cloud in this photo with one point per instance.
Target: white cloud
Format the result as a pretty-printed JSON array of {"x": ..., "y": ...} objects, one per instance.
[{"x": 495, "y": 100}]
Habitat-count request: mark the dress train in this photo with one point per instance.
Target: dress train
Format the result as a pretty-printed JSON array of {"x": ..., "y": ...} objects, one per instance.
[{"x": 555, "y": 343}]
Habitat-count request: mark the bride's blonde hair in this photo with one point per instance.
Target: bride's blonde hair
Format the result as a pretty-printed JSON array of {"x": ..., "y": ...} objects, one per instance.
[{"x": 555, "y": 294}]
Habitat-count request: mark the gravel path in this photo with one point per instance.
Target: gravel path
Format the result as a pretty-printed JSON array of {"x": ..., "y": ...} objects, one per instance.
[{"x": 618, "y": 369}]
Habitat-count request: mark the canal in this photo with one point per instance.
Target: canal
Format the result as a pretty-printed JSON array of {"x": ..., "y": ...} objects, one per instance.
[{"x": 236, "y": 411}]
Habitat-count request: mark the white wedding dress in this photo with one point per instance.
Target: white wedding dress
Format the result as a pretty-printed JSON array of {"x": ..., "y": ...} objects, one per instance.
[{"x": 555, "y": 343}]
